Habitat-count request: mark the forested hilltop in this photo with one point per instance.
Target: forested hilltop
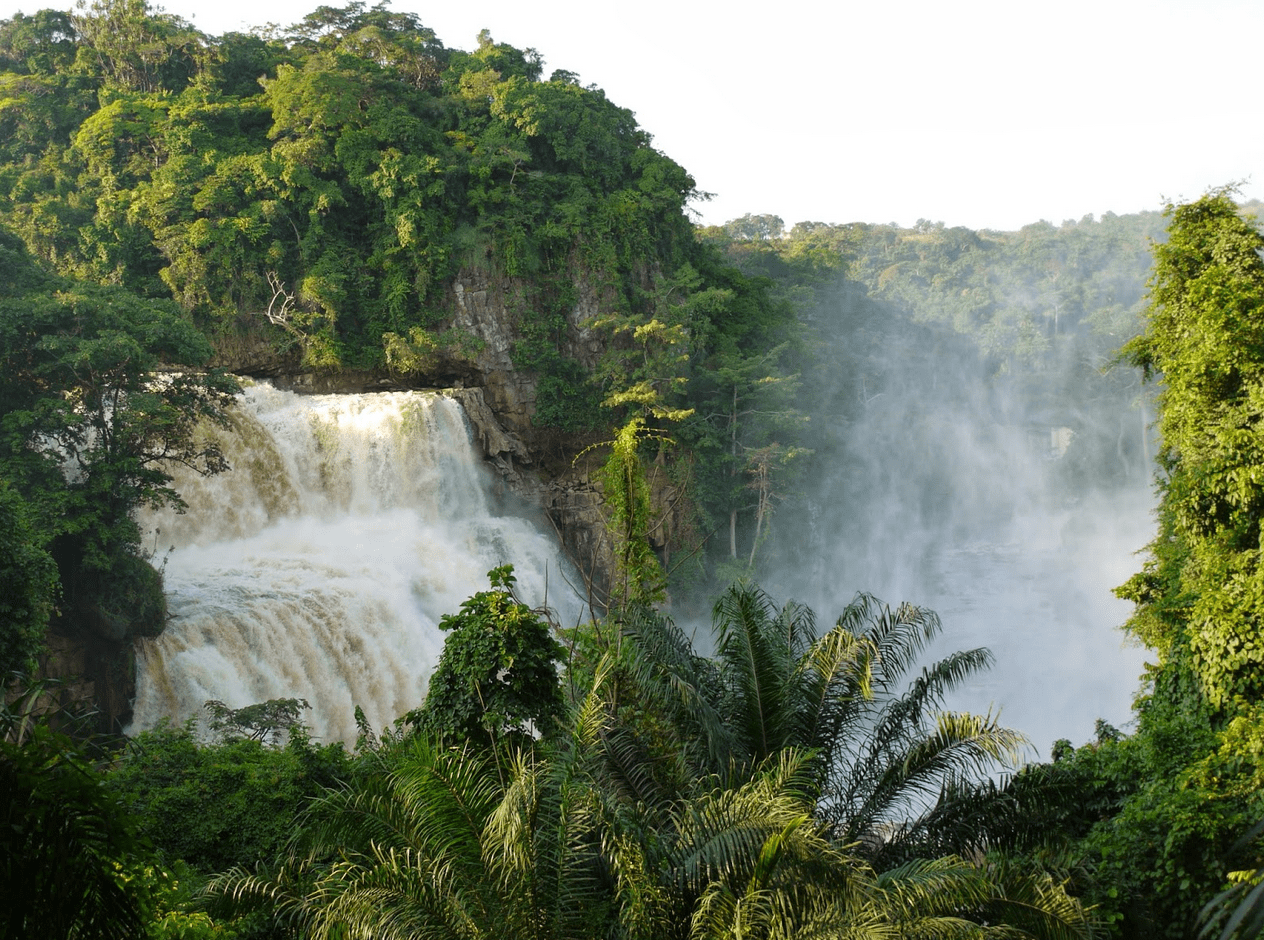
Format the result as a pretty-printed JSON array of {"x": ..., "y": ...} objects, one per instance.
[
  {"x": 351, "y": 200},
  {"x": 351, "y": 197}
]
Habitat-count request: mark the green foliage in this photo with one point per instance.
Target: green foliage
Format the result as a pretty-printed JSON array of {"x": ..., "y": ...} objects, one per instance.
[
  {"x": 881, "y": 753},
  {"x": 570, "y": 838},
  {"x": 219, "y": 805},
  {"x": 1237, "y": 911},
  {"x": 1205, "y": 340},
  {"x": 497, "y": 677},
  {"x": 439, "y": 845},
  {"x": 87, "y": 419},
  {"x": 28, "y": 586},
  {"x": 173, "y": 906},
  {"x": 333, "y": 166},
  {"x": 567, "y": 400},
  {"x": 65, "y": 845},
  {"x": 1149, "y": 822},
  {"x": 131, "y": 46},
  {"x": 637, "y": 577},
  {"x": 645, "y": 369},
  {"x": 259, "y": 722},
  {"x": 41, "y": 44}
]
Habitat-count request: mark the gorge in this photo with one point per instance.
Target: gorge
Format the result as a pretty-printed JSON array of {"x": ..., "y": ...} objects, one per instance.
[{"x": 320, "y": 565}]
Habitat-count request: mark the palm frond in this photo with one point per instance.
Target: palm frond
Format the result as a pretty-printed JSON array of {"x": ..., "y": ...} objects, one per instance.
[
  {"x": 1238, "y": 911},
  {"x": 436, "y": 799},
  {"x": 685, "y": 687},
  {"x": 900, "y": 634},
  {"x": 281, "y": 891},
  {"x": 719, "y": 835},
  {"x": 1034, "y": 904},
  {"x": 63, "y": 840},
  {"x": 756, "y": 862},
  {"x": 923, "y": 888},
  {"x": 960, "y": 745},
  {"x": 836, "y": 678},
  {"x": 754, "y": 664},
  {"x": 949, "y": 897}
]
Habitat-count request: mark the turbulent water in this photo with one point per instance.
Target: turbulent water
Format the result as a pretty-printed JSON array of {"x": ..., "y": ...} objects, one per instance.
[{"x": 320, "y": 565}]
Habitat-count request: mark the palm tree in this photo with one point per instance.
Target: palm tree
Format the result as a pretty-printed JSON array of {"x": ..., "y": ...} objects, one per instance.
[
  {"x": 445, "y": 842},
  {"x": 1237, "y": 913},
  {"x": 879, "y": 772},
  {"x": 610, "y": 829},
  {"x": 753, "y": 861},
  {"x": 884, "y": 752},
  {"x": 440, "y": 847},
  {"x": 397, "y": 854},
  {"x": 67, "y": 845},
  {"x": 940, "y": 898}
]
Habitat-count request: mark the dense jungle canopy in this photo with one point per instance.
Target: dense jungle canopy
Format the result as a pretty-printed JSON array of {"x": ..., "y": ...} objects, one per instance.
[{"x": 174, "y": 206}]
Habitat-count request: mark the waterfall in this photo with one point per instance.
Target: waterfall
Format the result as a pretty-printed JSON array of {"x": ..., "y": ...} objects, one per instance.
[{"x": 320, "y": 565}]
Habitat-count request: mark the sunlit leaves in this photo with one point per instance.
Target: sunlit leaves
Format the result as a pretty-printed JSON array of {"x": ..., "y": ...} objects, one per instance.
[{"x": 1206, "y": 342}]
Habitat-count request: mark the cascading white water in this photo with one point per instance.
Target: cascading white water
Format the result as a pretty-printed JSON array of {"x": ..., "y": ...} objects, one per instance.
[{"x": 320, "y": 565}]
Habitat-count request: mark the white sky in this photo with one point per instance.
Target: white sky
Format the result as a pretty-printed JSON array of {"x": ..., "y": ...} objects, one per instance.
[{"x": 984, "y": 113}]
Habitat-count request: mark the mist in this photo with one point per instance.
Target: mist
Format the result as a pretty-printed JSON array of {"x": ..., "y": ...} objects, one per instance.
[{"x": 1008, "y": 494}]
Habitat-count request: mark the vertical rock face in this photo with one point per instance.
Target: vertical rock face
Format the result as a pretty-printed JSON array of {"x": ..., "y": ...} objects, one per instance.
[
  {"x": 481, "y": 308},
  {"x": 499, "y": 398},
  {"x": 503, "y": 406},
  {"x": 99, "y": 673}
]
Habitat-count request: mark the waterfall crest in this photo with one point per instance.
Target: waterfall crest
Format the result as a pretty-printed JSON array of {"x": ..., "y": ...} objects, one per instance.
[{"x": 320, "y": 565}]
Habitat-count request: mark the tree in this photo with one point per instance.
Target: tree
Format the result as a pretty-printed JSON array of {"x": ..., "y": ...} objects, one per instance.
[
  {"x": 881, "y": 754},
  {"x": 637, "y": 578},
  {"x": 444, "y": 841},
  {"x": 439, "y": 840},
  {"x": 135, "y": 47},
  {"x": 1150, "y": 821},
  {"x": 259, "y": 722},
  {"x": 28, "y": 586},
  {"x": 1198, "y": 598},
  {"x": 755, "y": 228},
  {"x": 43, "y": 43},
  {"x": 219, "y": 804},
  {"x": 497, "y": 676},
  {"x": 753, "y": 408},
  {"x": 98, "y": 393}
]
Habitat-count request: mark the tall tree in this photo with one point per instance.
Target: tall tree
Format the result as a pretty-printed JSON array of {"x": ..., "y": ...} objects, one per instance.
[
  {"x": 1153, "y": 820},
  {"x": 99, "y": 391},
  {"x": 1201, "y": 595}
]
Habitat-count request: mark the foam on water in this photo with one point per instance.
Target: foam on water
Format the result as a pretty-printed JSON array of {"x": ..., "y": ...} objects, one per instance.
[{"x": 319, "y": 567}]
